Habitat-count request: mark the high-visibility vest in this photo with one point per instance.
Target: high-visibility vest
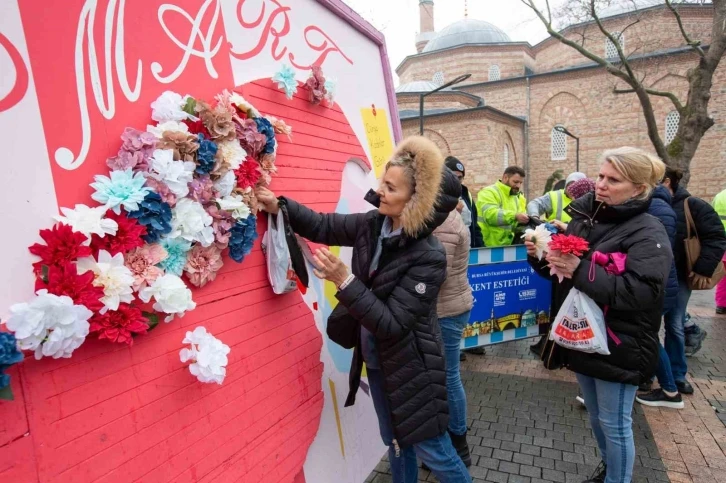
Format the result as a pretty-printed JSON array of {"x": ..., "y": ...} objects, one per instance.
[
  {"x": 719, "y": 204},
  {"x": 497, "y": 209},
  {"x": 559, "y": 201}
]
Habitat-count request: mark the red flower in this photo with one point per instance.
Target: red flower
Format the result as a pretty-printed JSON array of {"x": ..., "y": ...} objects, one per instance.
[
  {"x": 64, "y": 279},
  {"x": 128, "y": 236},
  {"x": 120, "y": 325},
  {"x": 197, "y": 127},
  {"x": 62, "y": 245},
  {"x": 569, "y": 244},
  {"x": 248, "y": 174}
]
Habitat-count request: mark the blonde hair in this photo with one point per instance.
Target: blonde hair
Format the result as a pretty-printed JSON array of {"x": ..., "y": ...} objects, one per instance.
[{"x": 637, "y": 166}]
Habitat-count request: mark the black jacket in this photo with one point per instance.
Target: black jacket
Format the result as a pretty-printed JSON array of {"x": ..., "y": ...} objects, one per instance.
[
  {"x": 710, "y": 233},
  {"x": 397, "y": 305},
  {"x": 660, "y": 207},
  {"x": 477, "y": 239},
  {"x": 634, "y": 299}
]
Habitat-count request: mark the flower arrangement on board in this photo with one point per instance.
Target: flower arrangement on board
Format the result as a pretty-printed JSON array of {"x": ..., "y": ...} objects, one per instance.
[
  {"x": 208, "y": 355},
  {"x": 179, "y": 195}
]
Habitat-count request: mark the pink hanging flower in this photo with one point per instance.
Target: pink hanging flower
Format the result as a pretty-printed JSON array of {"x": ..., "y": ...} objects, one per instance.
[
  {"x": 142, "y": 263},
  {"x": 316, "y": 85},
  {"x": 203, "y": 264}
]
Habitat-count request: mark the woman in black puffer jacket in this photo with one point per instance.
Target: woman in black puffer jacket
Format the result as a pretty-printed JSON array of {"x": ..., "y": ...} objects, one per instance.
[
  {"x": 387, "y": 306},
  {"x": 615, "y": 220}
]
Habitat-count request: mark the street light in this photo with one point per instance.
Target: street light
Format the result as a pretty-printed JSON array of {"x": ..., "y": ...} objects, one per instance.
[
  {"x": 461, "y": 78},
  {"x": 577, "y": 145}
]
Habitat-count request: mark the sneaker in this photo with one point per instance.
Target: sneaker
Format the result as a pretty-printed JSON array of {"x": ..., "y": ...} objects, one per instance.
[
  {"x": 646, "y": 386},
  {"x": 720, "y": 310},
  {"x": 462, "y": 356},
  {"x": 694, "y": 341},
  {"x": 658, "y": 398},
  {"x": 684, "y": 387},
  {"x": 479, "y": 351},
  {"x": 599, "y": 475}
]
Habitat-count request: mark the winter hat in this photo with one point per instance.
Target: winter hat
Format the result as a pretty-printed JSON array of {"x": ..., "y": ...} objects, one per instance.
[
  {"x": 455, "y": 165},
  {"x": 580, "y": 188},
  {"x": 574, "y": 177}
]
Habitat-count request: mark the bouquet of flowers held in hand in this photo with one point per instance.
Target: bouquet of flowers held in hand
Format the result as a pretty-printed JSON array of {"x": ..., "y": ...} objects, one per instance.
[{"x": 565, "y": 245}]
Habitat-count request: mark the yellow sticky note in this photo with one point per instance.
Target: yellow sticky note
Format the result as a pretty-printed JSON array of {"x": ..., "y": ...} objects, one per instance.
[{"x": 380, "y": 142}]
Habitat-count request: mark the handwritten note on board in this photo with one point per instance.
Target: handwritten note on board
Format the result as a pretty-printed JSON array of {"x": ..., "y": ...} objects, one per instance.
[{"x": 380, "y": 142}]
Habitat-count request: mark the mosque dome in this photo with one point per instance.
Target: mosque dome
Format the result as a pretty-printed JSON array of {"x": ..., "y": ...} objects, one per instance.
[
  {"x": 417, "y": 86},
  {"x": 467, "y": 31}
]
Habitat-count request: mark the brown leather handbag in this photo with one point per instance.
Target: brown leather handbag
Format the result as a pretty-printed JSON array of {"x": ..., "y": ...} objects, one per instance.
[{"x": 693, "y": 251}]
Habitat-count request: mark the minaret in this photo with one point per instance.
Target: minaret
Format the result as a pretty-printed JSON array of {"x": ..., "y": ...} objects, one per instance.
[{"x": 426, "y": 17}]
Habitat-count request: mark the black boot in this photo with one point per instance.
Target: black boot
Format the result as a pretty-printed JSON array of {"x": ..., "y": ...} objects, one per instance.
[
  {"x": 461, "y": 447},
  {"x": 599, "y": 475}
]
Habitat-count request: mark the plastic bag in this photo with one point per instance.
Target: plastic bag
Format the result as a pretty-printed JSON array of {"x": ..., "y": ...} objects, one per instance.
[
  {"x": 279, "y": 265},
  {"x": 580, "y": 325}
]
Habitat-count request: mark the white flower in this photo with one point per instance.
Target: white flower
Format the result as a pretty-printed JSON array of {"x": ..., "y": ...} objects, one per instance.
[
  {"x": 175, "y": 174},
  {"x": 226, "y": 184},
  {"x": 173, "y": 126},
  {"x": 242, "y": 103},
  {"x": 171, "y": 296},
  {"x": 540, "y": 236},
  {"x": 235, "y": 205},
  {"x": 169, "y": 107},
  {"x": 111, "y": 274},
  {"x": 50, "y": 325},
  {"x": 232, "y": 153},
  {"x": 89, "y": 221},
  {"x": 191, "y": 222},
  {"x": 208, "y": 353}
]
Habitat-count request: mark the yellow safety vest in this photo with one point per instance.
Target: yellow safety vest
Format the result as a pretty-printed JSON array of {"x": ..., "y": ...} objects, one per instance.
[
  {"x": 559, "y": 201},
  {"x": 719, "y": 204}
]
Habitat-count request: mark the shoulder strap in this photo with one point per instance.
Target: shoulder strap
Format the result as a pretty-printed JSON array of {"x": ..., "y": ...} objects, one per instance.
[{"x": 689, "y": 219}]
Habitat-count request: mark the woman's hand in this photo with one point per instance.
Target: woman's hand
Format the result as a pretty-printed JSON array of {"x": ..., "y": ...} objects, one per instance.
[
  {"x": 566, "y": 264},
  {"x": 699, "y": 281},
  {"x": 531, "y": 249},
  {"x": 267, "y": 200},
  {"x": 329, "y": 267},
  {"x": 560, "y": 225}
]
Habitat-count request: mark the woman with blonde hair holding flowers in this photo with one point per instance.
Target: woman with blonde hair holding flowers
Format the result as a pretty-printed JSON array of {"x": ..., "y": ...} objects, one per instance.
[{"x": 614, "y": 220}]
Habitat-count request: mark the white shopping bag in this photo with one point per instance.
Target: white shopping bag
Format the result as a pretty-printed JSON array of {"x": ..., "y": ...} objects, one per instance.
[
  {"x": 580, "y": 325},
  {"x": 279, "y": 266}
]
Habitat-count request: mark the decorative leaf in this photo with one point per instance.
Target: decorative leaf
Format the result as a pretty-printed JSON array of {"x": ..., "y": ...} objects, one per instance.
[
  {"x": 152, "y": 318},
  {"x": 6, "y": 394},
  {"x": 190, "y": 106},
  {"x": 44, "y": 269}
]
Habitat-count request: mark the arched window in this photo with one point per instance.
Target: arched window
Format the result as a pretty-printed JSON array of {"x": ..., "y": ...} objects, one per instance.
[
  {"x": 559, "y": 144},
  {"x": 610, "y": 49},
  {"x": 438, "y": 78},
  {"x": 494, "y": 74},
  {"x": 505, "y": 156},
  {"x": 672, "y": 121}
]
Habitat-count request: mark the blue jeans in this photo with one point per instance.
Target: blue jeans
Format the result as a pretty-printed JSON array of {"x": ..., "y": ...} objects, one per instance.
[
  {"x": 610, "y": 406},
  {"x": 438, "y": 453},
  {"x": 672, "y": 366},
  {"x": 451, "y": 330}
]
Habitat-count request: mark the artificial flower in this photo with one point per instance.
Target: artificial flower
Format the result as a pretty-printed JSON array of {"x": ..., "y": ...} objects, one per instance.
[
  {"x": 171, "y": 296},
  {"x": 541, "y": 238},
  {"x": 218, "y": 122},
  {"x": 120, "y": 325},
  {"x": 209, "y": 356},
  {"x": 331, "y": 86},
  {"x": 201, "y": 189},
  {"x": 249, "y": 137},
  {"x": 231, "y": 153},
  {"x": 169, "y": 106},
  {"x": 135, "y": 149},
  {"x": 135, "y": 160},
  {"x": 162, "y": 190},
  {"x": 49, "y": 325},
  {"x": 88, "y": 221},
  {"x": 248, "y": 174},
  {"x": 171, "y": 126},
  {"x": 280, "y": 126},
  {"x": 111, "y": 274},
  {"x": 9, "y": 355},
  {"x": 285, "y": 79},
  {"x": 265, "y": 128},
  {"x": 192, "y": 223},
  {"x": 62, "y": 244},
  {"x": 235, "y": 205},
  {"x": 316, "y": 85},
  {"x": 244, "y": 106},
  {"x": 197, "y": 127},
  {"x": 123, "y": 189},
  {"x": 225, "y": 184},
  {"x": 155, "y": 215},
  {"x": 205, "y": 155},
  {"x": 203, "y": 264},
  {"x": 243, "y": 236},
  {"x": 177, "y": 250},
  {"x": 129, "y": 235},
  {"x": 267, "y": 163},
  {"x": 64, "y": 280},
  {"x": 566, "y": 244},
  {"x": 221, "y": 225},
  {"x": 176, "y": 175},
  {"x": 248, "y": 195},
  {"x": 183, "y": 146},
  {"x": 142, "y": 262}
]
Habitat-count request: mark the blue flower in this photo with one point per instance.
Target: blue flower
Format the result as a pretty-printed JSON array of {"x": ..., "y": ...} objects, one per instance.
[
  {"x": 205, "y": 155},
  {"x": 330, "y": 88},
  {"x": 243, "y": 236},
  {"x": 9, "y": 355},
  {"x": 155, "y": 215},
  {"x": 123, "y": 188},
  {"x": 177, "y": 250},
  {"x": 551, "y": 228},
  {"x": 264, "y": 127},
  {"x": 285, "y": 79}
]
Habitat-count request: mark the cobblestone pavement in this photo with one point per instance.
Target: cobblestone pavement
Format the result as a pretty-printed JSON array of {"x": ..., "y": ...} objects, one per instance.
[{"x": 527, "y": 427}]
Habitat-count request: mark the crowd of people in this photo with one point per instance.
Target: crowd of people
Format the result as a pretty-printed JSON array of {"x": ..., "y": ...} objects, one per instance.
[{"x": 405, "y": 299}]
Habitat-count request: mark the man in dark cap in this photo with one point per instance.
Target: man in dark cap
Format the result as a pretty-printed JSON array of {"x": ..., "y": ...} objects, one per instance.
[{"x": 466, "y": 207}]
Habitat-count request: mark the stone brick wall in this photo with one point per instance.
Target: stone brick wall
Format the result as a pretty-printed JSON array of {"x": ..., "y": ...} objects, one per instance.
[{"x": 509, "y": 97}]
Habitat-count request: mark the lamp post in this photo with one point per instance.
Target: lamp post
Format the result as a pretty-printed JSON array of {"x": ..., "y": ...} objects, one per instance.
[
  {"x": 577, "y": 145},
  {"x": 461, "y": 78}
]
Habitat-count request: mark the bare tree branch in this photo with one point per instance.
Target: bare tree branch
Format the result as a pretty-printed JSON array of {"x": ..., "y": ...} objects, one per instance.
[
  {"x": 695, "y": 44},
  {"x": 653, "y": 92}
]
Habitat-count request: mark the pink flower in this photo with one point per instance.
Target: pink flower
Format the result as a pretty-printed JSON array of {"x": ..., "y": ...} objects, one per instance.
[
  {"x": 316, "y": 85},
  {"x": 249, "y": 137},
  {"x": 222, "y": 225},
  {"x": 142, "y": 263},
  {"x": 203, "y": 264},
  {"x": 136, "y": 149},
  {"x": 162, "y": 189},
  {"x": 201, "y": 189}
]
